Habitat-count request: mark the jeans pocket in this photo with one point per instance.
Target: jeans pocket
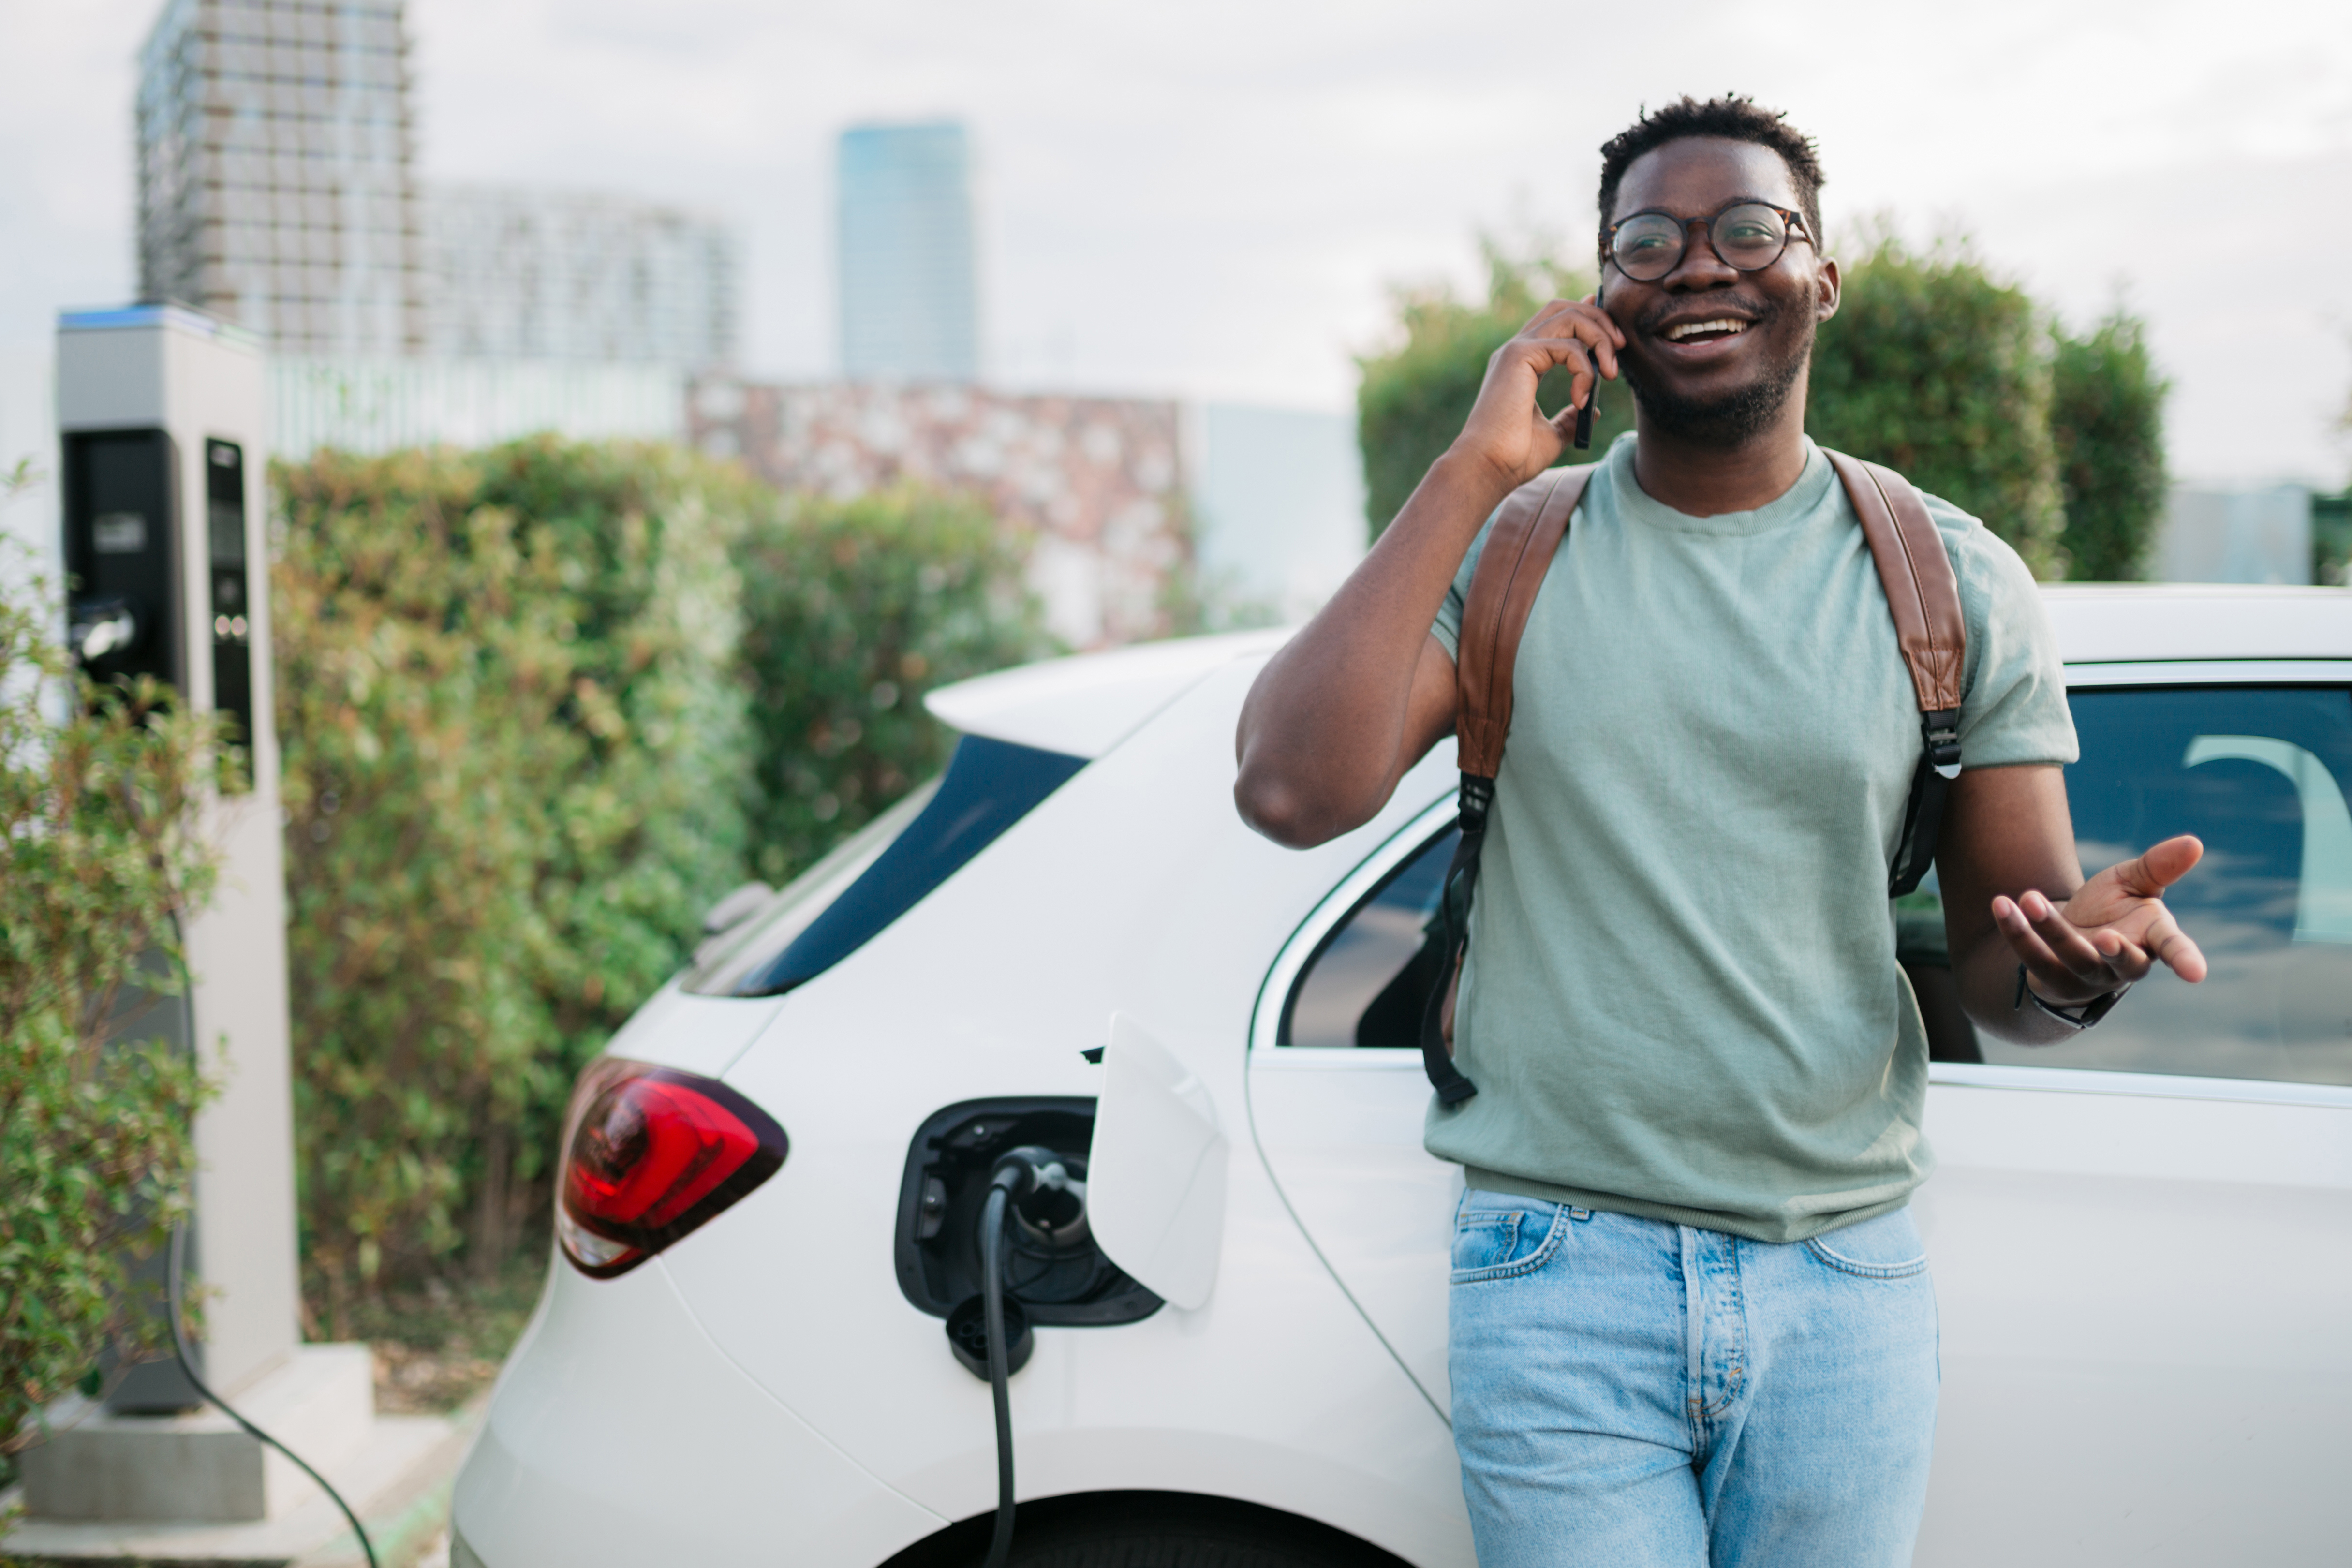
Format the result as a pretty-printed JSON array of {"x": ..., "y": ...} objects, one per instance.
[
  {"x": 1887, "y": 1247},
  {"x": 1497, "y": 1237}
]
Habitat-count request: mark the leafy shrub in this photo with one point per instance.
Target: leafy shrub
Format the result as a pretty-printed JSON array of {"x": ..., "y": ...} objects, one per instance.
[
  {"x": 2106, "y": 417},
  {"x": 1941, "y": 371},
  {"x": 514, "y": 771},
  {"x": 852, "y": 611},
  {"x": 100, "y": 792},
  {"x": 1412, "y": 399}
]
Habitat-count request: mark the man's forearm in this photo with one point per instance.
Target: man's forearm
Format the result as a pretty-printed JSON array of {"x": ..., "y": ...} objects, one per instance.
[{"x": 1321, "y": 733}]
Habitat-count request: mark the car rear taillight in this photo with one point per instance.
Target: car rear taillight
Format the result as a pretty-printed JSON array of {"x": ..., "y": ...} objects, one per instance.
[{"x": 650, "y": 1153}]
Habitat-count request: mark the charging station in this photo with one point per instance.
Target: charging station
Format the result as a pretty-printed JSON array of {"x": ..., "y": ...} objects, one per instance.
[{"x": 161, "y": 420}]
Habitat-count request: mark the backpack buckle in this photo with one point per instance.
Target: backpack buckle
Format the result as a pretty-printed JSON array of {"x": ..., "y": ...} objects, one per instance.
[
  {"x": 1477, "y": 797},
  {"x": 1940, "y": 733}
]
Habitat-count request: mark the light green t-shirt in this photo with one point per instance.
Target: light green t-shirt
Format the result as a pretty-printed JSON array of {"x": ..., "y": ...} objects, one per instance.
[{"x": 1682, "y": 1000}]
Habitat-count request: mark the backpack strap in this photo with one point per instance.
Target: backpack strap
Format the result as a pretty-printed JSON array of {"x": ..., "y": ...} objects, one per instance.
[
  {"x": 1519, "y": 549},
  {"x": 1924, "y": 595}
]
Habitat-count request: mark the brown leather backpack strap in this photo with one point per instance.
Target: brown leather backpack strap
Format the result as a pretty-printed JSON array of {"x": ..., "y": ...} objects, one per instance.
[
  {"x": 1923, "y": 593},
  {"x": 1519, "y": 549},
  {"x": 1511, "y": 573},
  {"x": 1921, "y": 589}
]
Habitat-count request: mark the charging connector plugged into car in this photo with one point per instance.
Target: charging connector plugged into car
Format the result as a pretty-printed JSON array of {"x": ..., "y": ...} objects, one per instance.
[{"x": 993, "y": 1237}]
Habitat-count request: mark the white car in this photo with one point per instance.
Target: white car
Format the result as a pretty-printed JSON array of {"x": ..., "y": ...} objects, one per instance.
[{"x": 2141, "y": 1239}]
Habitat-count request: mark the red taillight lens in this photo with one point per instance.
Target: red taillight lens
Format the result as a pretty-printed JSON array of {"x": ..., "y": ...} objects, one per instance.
[{"x": 649, "y": 1155}]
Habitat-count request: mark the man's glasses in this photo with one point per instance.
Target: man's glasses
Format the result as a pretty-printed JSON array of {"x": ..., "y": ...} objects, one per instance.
[{"x": 1749, "y": 236}]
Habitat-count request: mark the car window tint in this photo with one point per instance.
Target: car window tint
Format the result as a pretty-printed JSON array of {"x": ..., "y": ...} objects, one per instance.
[
  {"x": 1368, "y": 979},
  {"x": 2261, "y": 775},
  {"x": 989, "y": 785},
  {"x": 720, "y": 965}
]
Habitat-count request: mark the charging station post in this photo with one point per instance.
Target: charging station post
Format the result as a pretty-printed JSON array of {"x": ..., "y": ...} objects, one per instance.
[{"x": 163, "y": 440}]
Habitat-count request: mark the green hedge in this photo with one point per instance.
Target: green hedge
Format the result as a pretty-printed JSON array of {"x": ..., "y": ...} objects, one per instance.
[
  {"x": 99, "y": 856},
  {"x": 852, "y": 611},
  {"x": 540, "y": 706},
  {"x": 1941, "y": 371},
  {"x": 515, "y": 776},
  {"x": 2106, "y": 418}
]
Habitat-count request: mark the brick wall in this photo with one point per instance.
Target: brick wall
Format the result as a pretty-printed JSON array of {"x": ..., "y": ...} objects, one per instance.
[{"x": 1093, "y": 486}]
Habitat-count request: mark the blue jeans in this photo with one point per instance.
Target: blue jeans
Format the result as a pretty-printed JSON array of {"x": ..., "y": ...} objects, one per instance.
[{"x": 1629, "y": 1394}]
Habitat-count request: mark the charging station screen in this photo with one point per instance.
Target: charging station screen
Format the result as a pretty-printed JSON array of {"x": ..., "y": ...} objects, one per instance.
[
  {"x": 232, "y": 597},
  {"x": 124, "y": 608}
]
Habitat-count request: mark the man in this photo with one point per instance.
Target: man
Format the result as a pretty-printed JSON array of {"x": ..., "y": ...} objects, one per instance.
[{"x": 1691, "y": 1321}]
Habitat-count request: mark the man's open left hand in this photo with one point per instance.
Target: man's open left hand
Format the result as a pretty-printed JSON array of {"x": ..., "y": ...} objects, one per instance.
[{"x": 2110, "y": 933}]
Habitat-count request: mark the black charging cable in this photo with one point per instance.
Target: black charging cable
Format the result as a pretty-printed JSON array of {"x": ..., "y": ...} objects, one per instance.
[
  {"x": 1001, "y": 1181},
  {"x": 1017, "y": 1173},
  {"x": 180, "y": 1353}
]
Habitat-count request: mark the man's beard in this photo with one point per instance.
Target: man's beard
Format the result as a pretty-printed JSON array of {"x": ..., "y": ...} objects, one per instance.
[{"x": 1729, "y": 420}]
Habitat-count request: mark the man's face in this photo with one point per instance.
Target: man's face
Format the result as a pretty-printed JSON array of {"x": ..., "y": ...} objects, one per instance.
[{"x": 1717, "y": 386}]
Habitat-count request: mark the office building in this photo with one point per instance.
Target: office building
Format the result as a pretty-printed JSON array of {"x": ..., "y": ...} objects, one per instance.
[
  {"x": 909, "y": 303},
  {"x": 534, "y": 274},
  {"x": 275, "y": 187}
]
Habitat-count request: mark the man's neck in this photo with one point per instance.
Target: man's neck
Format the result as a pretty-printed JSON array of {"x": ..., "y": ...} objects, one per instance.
[{"x": 1703, "y": 479}]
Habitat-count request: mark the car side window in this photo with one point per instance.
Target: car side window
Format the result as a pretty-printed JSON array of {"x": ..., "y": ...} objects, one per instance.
[
  {"x": 1368, "y": 980},
  {"x": 2261, "y": 775}
]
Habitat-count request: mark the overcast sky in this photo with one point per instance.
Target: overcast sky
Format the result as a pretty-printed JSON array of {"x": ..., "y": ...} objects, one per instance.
[{"x": 1213, "y": 198}]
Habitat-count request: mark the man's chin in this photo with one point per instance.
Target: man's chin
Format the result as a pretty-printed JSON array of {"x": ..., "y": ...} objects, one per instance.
[
  {"x": 1717, "y": 419},
  {"x": 1729, "y": 417}
]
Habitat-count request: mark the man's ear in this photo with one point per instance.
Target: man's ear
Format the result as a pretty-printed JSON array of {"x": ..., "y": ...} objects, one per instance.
[{"x": 1826, "y": 290}]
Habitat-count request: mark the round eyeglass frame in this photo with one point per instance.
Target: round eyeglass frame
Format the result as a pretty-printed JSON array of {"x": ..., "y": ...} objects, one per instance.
[{"x": 1792, "y": 228}]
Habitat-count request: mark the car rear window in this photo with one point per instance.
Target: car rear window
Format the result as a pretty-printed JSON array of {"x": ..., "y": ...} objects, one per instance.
[{"x": 839, "y": 904}]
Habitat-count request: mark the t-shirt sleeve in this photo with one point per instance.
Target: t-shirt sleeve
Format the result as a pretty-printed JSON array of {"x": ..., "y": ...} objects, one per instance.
[
  {"x": 2013, "y": 709},
  {"x": 1448, "y": 626}
]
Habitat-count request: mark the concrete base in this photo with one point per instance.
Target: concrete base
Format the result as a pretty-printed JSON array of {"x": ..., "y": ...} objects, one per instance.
[
  {"x": 398, "y": 1481},
  {"x": 320, "y": 1402}
]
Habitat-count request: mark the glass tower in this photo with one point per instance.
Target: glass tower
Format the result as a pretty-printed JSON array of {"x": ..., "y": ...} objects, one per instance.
[
  {"x": 909, "y": 305},
  {"x": 274, "y": 146}
]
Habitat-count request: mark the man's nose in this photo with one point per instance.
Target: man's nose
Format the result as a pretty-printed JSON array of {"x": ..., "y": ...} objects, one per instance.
[{"x": 1700, "y": 267}]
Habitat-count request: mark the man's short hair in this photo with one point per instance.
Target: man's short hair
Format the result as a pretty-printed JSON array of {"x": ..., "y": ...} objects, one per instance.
[{"x": 1735, "y": 119}]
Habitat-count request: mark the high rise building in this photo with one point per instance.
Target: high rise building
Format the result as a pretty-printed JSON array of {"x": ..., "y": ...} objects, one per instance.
[
  {"x": 910, "y": 304},
  {"x": 516, "y": 273},
  {"x": 274, "y": 144}
]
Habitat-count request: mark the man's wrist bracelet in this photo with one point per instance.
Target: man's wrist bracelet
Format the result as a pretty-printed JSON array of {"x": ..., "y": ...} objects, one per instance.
[{"x": 2081, "y": 1017}]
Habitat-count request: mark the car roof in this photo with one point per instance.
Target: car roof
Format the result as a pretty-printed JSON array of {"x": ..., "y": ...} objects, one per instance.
[
  {"x": 1086, "y": 704},
  {"x": 2111, "y": 623}
]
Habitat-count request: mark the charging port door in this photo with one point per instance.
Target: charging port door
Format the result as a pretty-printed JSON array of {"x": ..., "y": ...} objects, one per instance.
[
  {"x": 1158, "y": 1191},
  {"x": 1053, "y": 1265}
]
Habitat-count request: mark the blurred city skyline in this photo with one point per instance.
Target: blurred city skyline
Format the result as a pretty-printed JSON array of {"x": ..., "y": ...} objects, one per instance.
[{"x": 1215, "y": 202}]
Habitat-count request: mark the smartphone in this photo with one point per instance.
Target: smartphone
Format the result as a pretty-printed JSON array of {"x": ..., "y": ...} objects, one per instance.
[{"x": 1584, "y": 414}]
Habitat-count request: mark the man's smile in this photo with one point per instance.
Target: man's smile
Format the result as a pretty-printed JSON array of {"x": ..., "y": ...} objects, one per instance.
[
  {"x": 1705, "y": 331},
  {"x": 1692, "y": 340}
]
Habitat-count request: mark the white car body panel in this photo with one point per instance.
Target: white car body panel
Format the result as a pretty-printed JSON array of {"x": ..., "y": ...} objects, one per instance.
[
  {"x": 1274, "y": 1391},
  {"x": 678, "y": 1029},
  {"x": 2143, "y": 1280},
  {"x": 614, "y": 1407}
]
